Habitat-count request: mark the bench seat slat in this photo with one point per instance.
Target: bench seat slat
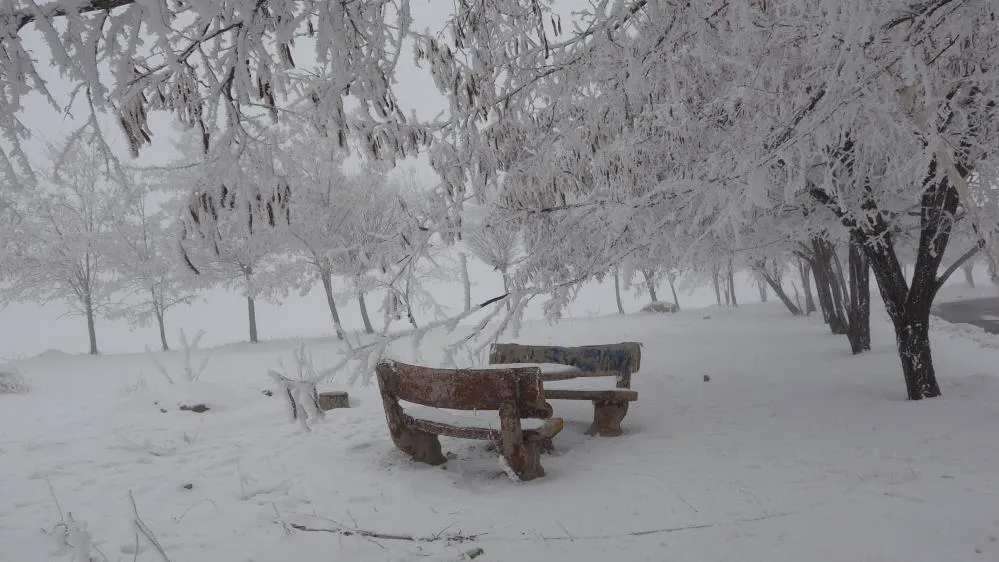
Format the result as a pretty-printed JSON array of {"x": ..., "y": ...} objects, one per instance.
[
  {"x": 605, "y": 395},
  {"x": 462, "y": 424}
]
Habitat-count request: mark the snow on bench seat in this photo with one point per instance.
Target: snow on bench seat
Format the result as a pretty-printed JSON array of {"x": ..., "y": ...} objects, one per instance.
[
  {"x": 549, "y": 371},
  {"x": 583, "y": 383}
]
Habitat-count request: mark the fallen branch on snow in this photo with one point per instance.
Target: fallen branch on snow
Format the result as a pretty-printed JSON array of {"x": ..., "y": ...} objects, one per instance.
[{"x": 348, "y": 532}]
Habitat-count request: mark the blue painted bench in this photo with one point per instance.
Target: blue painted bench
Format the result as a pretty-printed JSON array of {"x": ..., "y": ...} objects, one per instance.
[{"x": 600, "y": 373}]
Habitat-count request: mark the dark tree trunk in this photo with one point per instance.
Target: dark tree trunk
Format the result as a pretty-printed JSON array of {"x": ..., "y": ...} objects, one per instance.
[
  {"x": 364, "y": 313},
  {"x": 251, "y": 311},
  {"x": 331, "y": 302},
  {"x": 731, "y": 283},
  {"x": 832, "y": 311},
  {"x": 650, "y": 285},
  {"x": 88, "y": 305},
  {"x": 778, "y": 289},
  {"x": 805, "y": 269},
  {"x": 762, "y": 286},
  {"x": 617, "y": 290},
  {"x": 913, "y": 338},
  {"x": 908, "y": 305},
  {"x": 859, "y": 331},
  {"x": 672, "y": 288},
  {"x": 717, "y": 284},
  {"x": 969, "y": 274},
  {"x": 162, "y": 325}
]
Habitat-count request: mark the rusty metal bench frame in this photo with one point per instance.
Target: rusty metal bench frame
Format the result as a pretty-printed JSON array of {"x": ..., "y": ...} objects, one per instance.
[
  {"x": 515, "y": 393},
  {"x": 609, "y": 406}
]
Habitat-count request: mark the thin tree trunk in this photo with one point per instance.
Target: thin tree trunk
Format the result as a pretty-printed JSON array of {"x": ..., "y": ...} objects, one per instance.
[
  {"x": 829, "y": 295},
  {"x": 672, "y": 288},
  {"x": 969, "y": 274},
  {"x": 840, "y": 276},
  {"x": 650, "y": 285},
  {"x": 805, "y": 269},
  {"x": 778, "y": 289},
  {"x": 91, "y": 328},
  {"x": 506, "y": 288},
  {"x": 364, "y": 313},
  {"x": 762, "y": 285},
  {"x": 859, "y": 331},
  {"x": 466, "y": 282},
  {"x": 717, "y": 284},
  {"x": 731, "y": 283},
  {"x": 617, "y": 290},
  {"x": 251, "y": 311},
  {"x": 331, "y": 302},
  {"x": 162, "y": 325}
]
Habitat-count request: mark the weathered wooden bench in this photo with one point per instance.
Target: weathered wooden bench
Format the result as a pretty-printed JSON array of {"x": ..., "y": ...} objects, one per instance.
[
  {"x": 507, "y": 406},
  {"x": 610, "y": 400}
]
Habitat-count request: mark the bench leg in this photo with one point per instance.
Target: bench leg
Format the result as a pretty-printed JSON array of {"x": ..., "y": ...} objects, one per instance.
[
  {"x": 422, "y": 446},
  {"x": 524, "y": 459},
  {"x": 607, "y": 417}
]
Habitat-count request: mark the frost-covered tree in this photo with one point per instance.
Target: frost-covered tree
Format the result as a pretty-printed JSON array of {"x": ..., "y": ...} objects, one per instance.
[
  {"x": 235, "y": 236},
  {"x": 223, "y": 69},
  {"x": 494, "y": 240},
  {"x": 872, "y": 109},
  {"x": 143, "y": 254},
  {"x": 56, "y": 246}
]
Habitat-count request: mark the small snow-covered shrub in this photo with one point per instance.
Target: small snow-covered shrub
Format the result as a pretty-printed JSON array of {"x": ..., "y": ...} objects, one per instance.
[
  {"x": 191, "y": 372},
  {"x": 12, "y": 381},
  {"x": 660, "y": 307}
]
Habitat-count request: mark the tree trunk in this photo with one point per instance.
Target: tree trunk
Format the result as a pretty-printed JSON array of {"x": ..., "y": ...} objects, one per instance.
[
  {"x": 251, "y": 311},
  {"x": 731, "y": 283},
  {"x": 829, "y": 295},
  {"x": 969, "y": 274},
  {"x": 778, "y": 289},
  {"x": 717, "y": 284},
  {"x": 762, "y": 285},
  {"x": 672, "y": 288},
  {"x": 328, "y": 288},
  {"x": 466, "y": 282},
  {"x": 913, "y": 338},
  {"x": 650, "y": 285},
  {"x": 88, "y": 305},
  {"x": 908, "y": 305},
  {"x": 805, "y": 269},
  {"x": 364, "y": 313},
  {"x": 162, "y": 325},
  {"x": 859, "y": 330},
  {"x": 617, "y": 290},
  {"x": 506, "y": 289}
]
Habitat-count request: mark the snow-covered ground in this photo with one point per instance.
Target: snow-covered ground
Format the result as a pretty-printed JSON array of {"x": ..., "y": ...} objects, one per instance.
[{"x": 793, "y": 451}]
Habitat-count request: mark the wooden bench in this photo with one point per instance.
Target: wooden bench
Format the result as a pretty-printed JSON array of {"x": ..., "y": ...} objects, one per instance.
[
  {"x": 498, "y": 401},
  {"x": 610, "y": 400}
]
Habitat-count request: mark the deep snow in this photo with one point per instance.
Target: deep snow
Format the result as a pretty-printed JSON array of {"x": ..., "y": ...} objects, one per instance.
[{"x": 795, "y": 450}]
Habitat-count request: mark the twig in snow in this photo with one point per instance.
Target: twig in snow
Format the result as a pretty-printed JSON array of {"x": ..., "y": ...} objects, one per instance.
[
  {"x": 56, "y": 500},
  {"x": 566, "y": 531},
  {"x": 145, "y": 531},
  {"x": 346, "y": 532},
  {"x": 690, "y": 505}
]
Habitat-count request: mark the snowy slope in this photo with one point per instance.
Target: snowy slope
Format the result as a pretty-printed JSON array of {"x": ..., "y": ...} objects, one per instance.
[{"x": 795, "y": 450}]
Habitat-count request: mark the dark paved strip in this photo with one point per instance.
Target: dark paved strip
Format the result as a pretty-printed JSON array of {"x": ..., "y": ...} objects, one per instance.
[{"x": 983, "y": 313}]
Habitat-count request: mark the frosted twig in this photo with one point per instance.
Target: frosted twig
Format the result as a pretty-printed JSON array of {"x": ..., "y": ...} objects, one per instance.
[
  {"x": 347, "y": 532},
  {"x": 145, "y": 531}
]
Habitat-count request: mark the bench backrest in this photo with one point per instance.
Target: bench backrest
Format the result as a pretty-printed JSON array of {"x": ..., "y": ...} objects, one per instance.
[
  {"x": 622, "y": 358},
  {"x": 465, "y": 389}
]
